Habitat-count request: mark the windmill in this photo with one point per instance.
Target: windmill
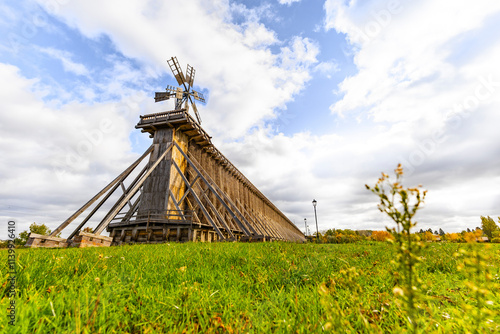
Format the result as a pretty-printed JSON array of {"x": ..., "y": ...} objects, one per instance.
[{"x": 183, "y": 94}]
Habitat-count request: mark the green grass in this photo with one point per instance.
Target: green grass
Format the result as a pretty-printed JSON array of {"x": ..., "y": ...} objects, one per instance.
[{"x": 236, "y": 287}]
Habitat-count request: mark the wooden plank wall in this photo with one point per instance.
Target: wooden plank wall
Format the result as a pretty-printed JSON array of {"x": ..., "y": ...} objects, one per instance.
[
  {"x": 250, "y": 202},
  {"x": 156, "y": 186},
  {"x": 177, "y": 185}
]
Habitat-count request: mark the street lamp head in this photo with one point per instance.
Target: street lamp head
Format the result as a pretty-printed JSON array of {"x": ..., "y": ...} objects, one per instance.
[{"x": 316, "y": 218}]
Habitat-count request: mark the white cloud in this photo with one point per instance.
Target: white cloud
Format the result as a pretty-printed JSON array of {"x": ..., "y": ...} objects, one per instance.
[
  {"x": 327, "y": 68},
  {"x": 256, "y": 36},
  {"x": 68, "y": 64},
  {"x": 301, "y": 53},
  {"x": 401, "y": 59},
  {"x": 8, "y": 15},
  {"x": 251, "y": 14},
  {"x": 287, "y": 2}
]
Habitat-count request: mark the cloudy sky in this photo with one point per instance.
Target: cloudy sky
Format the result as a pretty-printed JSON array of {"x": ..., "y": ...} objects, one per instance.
[{"x": 308, "y": 98}]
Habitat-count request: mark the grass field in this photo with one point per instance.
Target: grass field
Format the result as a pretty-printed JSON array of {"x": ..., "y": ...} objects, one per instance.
[{"x": 240, "y": 287}]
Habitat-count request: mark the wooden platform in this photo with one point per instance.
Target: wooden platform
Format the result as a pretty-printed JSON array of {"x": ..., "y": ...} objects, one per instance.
[{"x": 178, "y": 119}]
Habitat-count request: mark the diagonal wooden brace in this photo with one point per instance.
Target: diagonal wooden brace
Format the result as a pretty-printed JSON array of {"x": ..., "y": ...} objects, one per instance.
[
  {"x": 99, "y": 194},
  {"x": 197, "y": 199},
  {"x": 234, "y": 216},
  {"x": 105, "y": 222}
]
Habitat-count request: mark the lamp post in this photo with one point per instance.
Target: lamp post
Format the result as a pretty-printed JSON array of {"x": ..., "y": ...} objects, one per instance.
[
  {"x": 316, "y": 217},
  {"x": 305, "y": 226}
]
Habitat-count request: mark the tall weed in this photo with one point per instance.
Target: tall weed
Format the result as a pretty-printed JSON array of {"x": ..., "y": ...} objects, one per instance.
[{"x": 401, "y": 205}]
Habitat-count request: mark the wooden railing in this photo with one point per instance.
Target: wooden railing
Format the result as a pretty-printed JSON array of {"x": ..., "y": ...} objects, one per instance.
[
  {"x": 175, "y": 116},
  {"x": 168, "y": 115}
]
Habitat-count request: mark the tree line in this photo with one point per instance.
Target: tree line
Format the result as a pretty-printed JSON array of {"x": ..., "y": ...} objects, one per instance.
[{"x": 489, "y": 230}]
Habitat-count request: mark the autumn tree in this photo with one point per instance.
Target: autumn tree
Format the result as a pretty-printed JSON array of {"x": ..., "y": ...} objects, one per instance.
[
  {"x": 496, "y": 236},
  {"x": 428, "y": 236},
  {"x": 381, "y": 236},
  {"x": 453, "y": 237},
  {"x": 488, "y": 226},
  {"x": 470, "y": 237}
]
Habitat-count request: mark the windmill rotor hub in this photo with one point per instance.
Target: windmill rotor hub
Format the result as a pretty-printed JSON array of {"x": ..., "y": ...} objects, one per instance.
[{"x": 185, "y": 93}]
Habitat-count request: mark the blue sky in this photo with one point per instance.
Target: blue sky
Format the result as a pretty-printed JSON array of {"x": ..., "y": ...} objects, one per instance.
[{"x": 310, "y": 99}]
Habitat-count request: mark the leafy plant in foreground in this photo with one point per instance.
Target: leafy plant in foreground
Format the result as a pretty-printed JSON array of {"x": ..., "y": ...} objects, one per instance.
[
  {"x": 401, "y": 205},
  {"x": 480, "y": 284}
]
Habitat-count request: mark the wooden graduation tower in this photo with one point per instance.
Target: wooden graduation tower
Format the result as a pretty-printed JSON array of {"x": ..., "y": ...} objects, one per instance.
[{"x": 187, "y": 191}]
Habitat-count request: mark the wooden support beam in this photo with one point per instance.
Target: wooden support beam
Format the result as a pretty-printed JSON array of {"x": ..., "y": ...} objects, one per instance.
[
  {"x": 272, "y": 227},
  {"x": 122, "y": 235},
  {"x": 212, "y": 189},
  {"x": 105, "y": 222},
  {"x": 122, "y": 196},
  {"x": 189, "y": 188},
  {"x": 99, "y": 194},
  {"x": 134, "y": 182},
  {"x": 257, "y": 227},
  {"x": 197, "y": 199},
  {"x": 268, "y": 229},
  {"x": 124, "y": 191},
  {"x": 133, "y": 210},
  {"x": 171, "y": 194},
  {"x": 217, "y": 214},
  {"x": 98, "y": 206},
  {"x": 227, "y": 199},
  {"x": 264, "y": 227}
]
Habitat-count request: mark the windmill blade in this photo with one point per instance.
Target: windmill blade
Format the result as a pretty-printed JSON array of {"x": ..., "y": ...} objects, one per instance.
[
  {"x": 196, "y": 112},
  {"x": 194, "y": 108},
  {"x": 190, "y": 72},
  {"x": 198, "y": 96},
  {"x": 162, "y": 96},
  {"x": 176, "y": 70},
  {"x": 171, "y": 89}
]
